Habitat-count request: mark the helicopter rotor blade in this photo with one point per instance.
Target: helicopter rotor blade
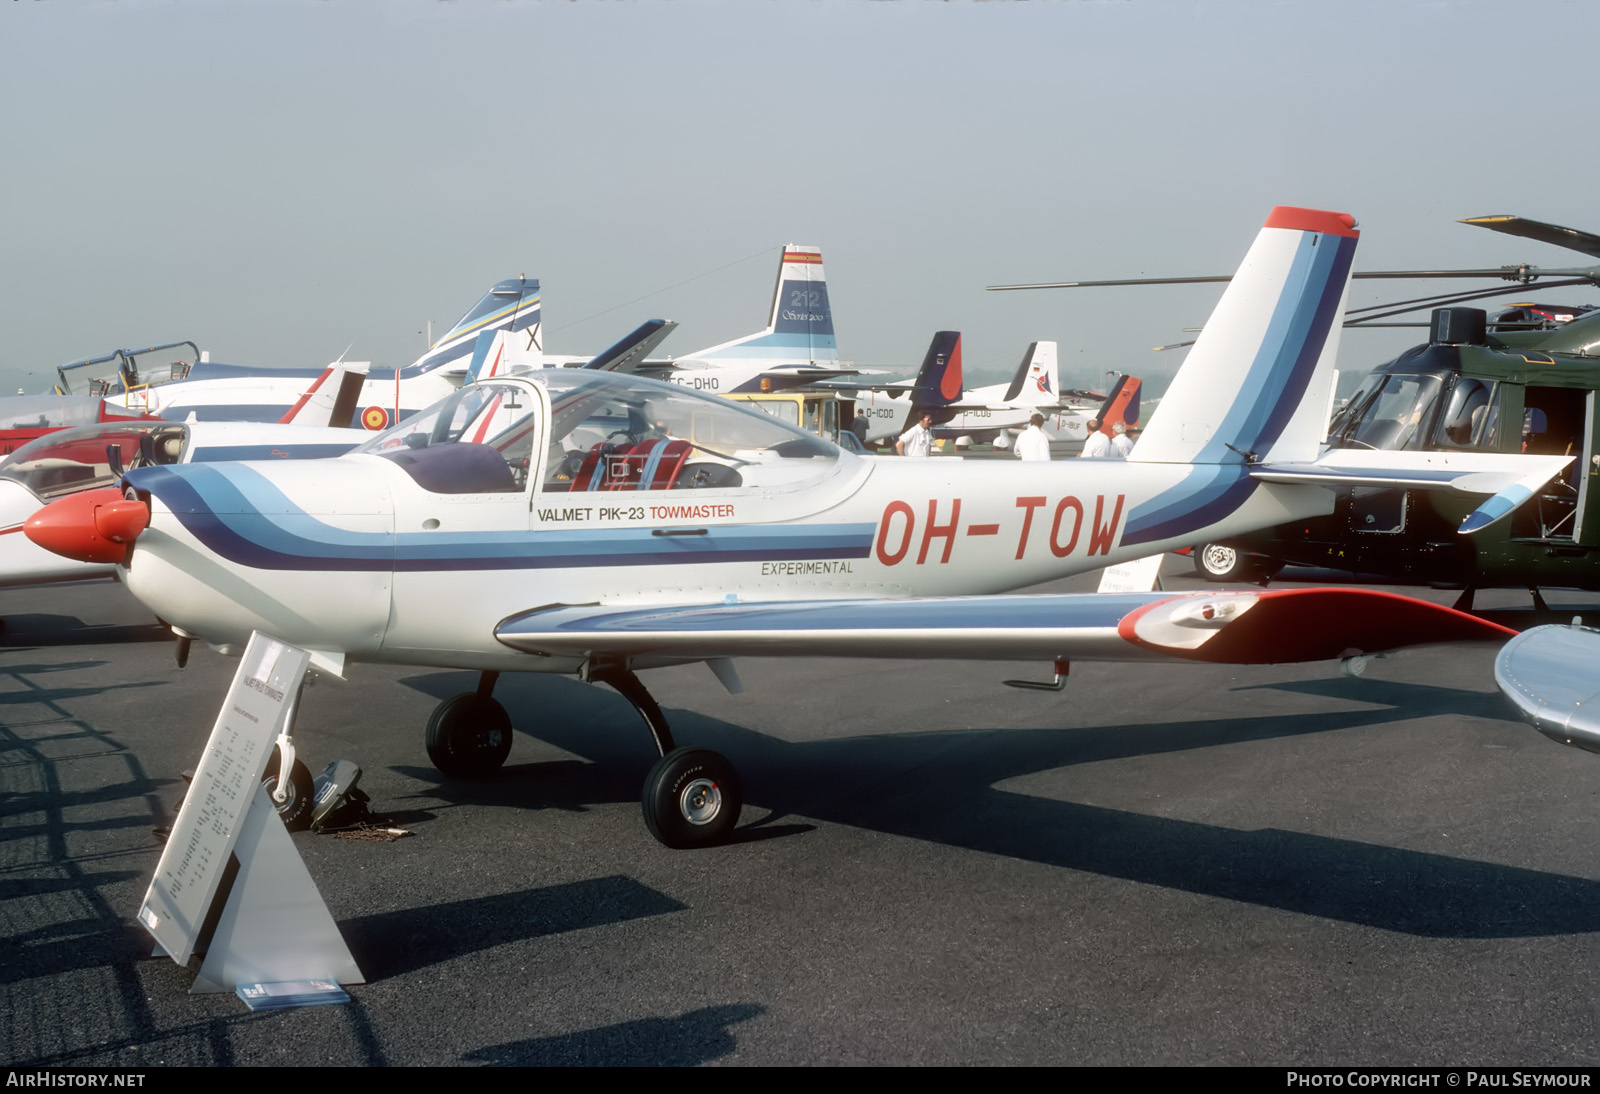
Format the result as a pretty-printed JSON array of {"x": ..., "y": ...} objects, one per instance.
[
  {"x": 1102, "y": 284},
  {"x": 1569, "y": 238},
  {"x": 1456, "y": 298}
]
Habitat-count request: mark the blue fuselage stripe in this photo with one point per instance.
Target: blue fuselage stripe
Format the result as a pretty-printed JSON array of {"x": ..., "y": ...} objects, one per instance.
[{"x": 235, "y": 512}]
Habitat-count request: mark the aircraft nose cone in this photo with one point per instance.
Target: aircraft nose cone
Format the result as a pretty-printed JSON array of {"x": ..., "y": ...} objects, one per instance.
[{"x": 94, "y": 526}]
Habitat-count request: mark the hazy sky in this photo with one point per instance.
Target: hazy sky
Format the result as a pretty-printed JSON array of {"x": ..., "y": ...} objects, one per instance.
[{"x": 278, "y": 180}]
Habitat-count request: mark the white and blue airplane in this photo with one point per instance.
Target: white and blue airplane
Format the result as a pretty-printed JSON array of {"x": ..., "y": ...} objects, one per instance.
[
  {"x": 208, "y": 391},
  {"x": 599, "y": 524},
  {"x": 795, "y": 348}
]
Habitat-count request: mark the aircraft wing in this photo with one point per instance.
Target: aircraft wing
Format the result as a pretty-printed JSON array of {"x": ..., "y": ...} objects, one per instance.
[
  {"x": 1508, "y": 479},
  {"x": 1549, "y": 674},
  {"x": 1255, "y": 627},
  {"x": 790, "y": 375}
]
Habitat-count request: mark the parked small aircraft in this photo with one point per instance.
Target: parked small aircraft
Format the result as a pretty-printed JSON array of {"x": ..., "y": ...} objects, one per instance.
[
  {"x": 25, "y": 418},
  {"x": 587, "y": 522},
  {"x": 796, "y": 346},
  {"x": 206, "y": 391},
  {"x": 983, "y": 414},
  {"x": 85, "y": 458},
  {"x": 63, "y": 462}
]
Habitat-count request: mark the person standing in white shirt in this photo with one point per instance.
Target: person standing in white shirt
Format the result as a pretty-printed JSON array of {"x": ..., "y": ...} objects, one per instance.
[
  {"x": 1033, "y": 443},
  {"x": 1097, "y": 444},
  {"x": 1121, "y": 443},
  {"x": 918, "y": 440}
]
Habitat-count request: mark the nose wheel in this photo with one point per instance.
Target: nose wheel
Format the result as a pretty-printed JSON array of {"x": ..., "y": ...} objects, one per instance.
[{"x": 295, "y": 809}]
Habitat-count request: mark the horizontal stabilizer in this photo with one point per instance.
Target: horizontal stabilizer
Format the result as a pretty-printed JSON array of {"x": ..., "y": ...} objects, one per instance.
[
  {"x": 631, "y": 351},
  {"x": 1509, "y": 478},
  {"x": 1257, "y": 627}
]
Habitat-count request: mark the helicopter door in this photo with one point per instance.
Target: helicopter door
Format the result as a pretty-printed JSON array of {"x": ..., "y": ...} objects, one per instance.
[{"x": 1558, "y": 421}]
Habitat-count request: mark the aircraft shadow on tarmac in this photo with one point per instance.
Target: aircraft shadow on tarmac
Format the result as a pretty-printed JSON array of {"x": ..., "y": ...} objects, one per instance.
[
  {"x": 41, "y": 630},
  {"x": 397, "y": 942},
  {"x": 904, "y": 784},
  {"x": 689, "y": 1039}
]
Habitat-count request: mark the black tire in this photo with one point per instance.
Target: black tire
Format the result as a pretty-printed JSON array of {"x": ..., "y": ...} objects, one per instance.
[
  {"x": 1220, "y": 562},
  {"x": 295, "y": 810},
  {"x": 691, "y": 798},
  {"x": 469, "y": 735}
]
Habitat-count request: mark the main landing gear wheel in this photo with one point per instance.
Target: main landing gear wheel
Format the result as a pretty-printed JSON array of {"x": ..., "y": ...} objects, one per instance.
[
  {"x": 469, "y": 735},
  {"x": 1218, "y": 562},
  {"x": 294, "y": 810},
  {"x": 691, "y": 798}
]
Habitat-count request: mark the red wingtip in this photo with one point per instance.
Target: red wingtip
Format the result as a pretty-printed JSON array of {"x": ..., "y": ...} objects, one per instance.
[
  {"x": 92, "y": 526},
  {"x": 1313, "y": 220}
]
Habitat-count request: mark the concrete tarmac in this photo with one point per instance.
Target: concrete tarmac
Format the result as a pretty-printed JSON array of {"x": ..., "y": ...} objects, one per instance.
[{"x": 1175, "y": 864}]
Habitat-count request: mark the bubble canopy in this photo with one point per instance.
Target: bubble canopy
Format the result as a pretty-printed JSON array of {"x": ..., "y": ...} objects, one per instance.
[{"x": 599, "y": 430}]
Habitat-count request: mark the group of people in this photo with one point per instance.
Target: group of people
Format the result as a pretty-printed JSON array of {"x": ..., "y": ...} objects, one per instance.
[{"x": 1032, "y": 443}]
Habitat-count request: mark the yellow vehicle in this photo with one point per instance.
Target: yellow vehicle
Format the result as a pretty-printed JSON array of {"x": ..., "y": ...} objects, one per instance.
[{"x": 824, "y": 413}]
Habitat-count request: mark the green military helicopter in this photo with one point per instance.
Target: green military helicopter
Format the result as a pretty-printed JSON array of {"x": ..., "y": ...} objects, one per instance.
[{"x": 1523, "y": 381}]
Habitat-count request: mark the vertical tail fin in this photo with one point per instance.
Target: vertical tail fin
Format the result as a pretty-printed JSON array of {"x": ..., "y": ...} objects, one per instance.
[
  {"x": 939, "y": 380},
  {"x": 1256, "y": 380},
  {"x": 1122, "y": 405},
  {"x": 800, "y": 327},
  {"x": 331, "y": 399},
  {"x": 510, "y": 306},
  {"x": 1037, "y": 382}
]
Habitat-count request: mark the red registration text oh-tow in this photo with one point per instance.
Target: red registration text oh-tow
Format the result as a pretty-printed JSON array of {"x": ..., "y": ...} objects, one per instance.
[{"x": 1061, "y": 527}]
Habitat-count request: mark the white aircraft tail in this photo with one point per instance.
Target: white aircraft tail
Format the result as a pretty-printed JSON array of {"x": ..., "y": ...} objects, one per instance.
[
  {"x": 800, "y": 327},
  {"x": 1037, "y": 382},
  {"x": 1256, "y": 384},
  {"x": 332, "y": 397},
  {"x": 510, "y": 306},
  {"x": 501, "y": 353}
]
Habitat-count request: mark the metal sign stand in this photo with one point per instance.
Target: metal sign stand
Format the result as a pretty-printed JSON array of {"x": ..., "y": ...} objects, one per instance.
[{"x": 273, "y": 925}]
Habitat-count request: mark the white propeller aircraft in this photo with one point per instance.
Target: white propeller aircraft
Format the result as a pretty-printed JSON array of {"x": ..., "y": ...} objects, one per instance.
[{"x": 588, "y": 522}]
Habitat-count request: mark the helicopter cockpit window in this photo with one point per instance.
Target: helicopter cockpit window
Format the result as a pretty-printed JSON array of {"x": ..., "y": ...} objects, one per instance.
[
  {"x": 1394, "y": 417},
  {"x": 1465, "y": 414}
]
